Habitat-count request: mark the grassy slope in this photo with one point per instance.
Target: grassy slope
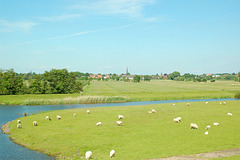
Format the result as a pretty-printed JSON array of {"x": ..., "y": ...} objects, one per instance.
[
  {"x": 165, "y": 89},
  {"x": 144, "y": 91},
  {"x": 142, "y": 135}
]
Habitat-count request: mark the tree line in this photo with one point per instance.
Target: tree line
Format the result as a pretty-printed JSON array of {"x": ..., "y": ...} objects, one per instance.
[{"x": 56, "y": 81}]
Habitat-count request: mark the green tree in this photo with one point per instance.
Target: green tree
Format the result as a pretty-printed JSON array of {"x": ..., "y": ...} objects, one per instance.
[
  {"x": 136, "y": 78},
  {"x": 173, "y": 75},
  {"x": 36, "y": 85},
  {"x": 147, "y": 78},
  {"x": 10, "y": 83}
]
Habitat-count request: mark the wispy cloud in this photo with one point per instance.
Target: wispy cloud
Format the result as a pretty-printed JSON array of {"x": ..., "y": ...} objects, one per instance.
[
  {"x": 59, "y": 18},
  {"x": 87, "y": 32},
  {"x": 25, "y": 26},
  {"x": 130, "y": 8}
]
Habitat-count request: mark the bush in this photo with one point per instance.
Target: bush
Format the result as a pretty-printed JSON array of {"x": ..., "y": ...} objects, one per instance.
[
  {"x": 237, "y": 95},
  {"x": 213, "y": 80}
]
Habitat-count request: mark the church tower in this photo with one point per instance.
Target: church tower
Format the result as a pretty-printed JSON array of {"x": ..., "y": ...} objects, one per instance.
[{"x": 127, "y": 71}]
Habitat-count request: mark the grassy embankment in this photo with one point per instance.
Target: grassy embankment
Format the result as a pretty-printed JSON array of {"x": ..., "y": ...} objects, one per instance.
[
  {"x": 142, "y": 136},
  {"x": 164, "y": 90},
  {"x": 113, "y": 91}
]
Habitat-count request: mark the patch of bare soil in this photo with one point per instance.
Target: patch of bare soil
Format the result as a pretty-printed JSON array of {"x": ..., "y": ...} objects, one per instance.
[
  {"x": 205, "y": 156},
  {"x": 5, "y": 128}
]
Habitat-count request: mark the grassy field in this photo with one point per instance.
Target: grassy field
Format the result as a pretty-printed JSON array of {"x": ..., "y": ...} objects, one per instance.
[
  {"x": 164, "y": 90},
  {"x": 113, "y": 91},
  {"x": 142, "y": 136}
]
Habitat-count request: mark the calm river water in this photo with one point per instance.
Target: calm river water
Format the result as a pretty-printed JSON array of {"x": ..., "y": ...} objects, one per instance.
[{"x": 12, "y": 151}]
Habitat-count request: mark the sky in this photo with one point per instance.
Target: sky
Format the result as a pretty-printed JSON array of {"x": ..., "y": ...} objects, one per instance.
[{"x": 107, "y": 36}]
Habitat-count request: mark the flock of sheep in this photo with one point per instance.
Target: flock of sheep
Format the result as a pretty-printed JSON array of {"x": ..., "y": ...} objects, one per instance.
[
  {"x": 88, "y": 154},
  {"x": 194, "y": 125}
]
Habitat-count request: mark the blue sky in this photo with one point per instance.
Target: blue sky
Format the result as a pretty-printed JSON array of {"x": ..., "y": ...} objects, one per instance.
[{"x": 107, "y": 36}]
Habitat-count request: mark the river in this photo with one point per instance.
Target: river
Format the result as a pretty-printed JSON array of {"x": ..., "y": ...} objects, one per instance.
[{"x": 10, "y": 150}]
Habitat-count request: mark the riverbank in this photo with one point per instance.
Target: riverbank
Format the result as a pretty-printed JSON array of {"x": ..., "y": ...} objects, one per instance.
[
  {"x": 73, "y": 136},
  {"x": 115, "y": 92},
  {"x": 5, "y": 128}
]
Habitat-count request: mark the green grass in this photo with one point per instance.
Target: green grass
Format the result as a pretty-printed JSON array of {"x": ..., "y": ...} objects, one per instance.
[
  {"x": 129, "y": 91},
  {"x": 164, "y": 90},
  {"x": 142, "y": 136}
]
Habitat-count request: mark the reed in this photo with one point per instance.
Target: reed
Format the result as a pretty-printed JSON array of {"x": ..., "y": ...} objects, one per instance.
[{"x": 77, "y": 100}]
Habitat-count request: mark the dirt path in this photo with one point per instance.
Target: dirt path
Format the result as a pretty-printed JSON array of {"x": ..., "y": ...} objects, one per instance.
[{"x": 205, "y": 156}]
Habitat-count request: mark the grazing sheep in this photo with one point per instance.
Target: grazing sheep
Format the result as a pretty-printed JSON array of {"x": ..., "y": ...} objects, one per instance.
[
  {"x": 224, "y": 103},
  {"x": 179, "y": 118},
  {"x": 206, "y": 133},
  {"x": 216, "y": 124},
  {"x": 149, "y": 111},
  {"x": 120, "y": 123},
  {"x": 173, "y": 104},
  {"x": 208, "y": 127},
  {"x": 48, "y": 118},
  {"x": 19, "y": 126},
  {"x": 176, "y": 120},
  {"x": 154, "y": 111},
  {"x": 99, "y": 124},
  {"x": 24, "y": 114},
  {"x": 206, "y": 102},
  {"x": 112, "y": 153},
  {"x": 35, "y": 123},
  {"x": 18, "y": 121},
  {"x": 120, "y": 116},
  {"x": 88, "y": 155},
  {"x": 74, "y": 115},
  {"x": 188, "y": 104},
  {"x": 193, "y": 126},
  {"x": 88, "y": 111},
  {"x": 58, "y": 117},
  {"x": 229, "y": 114},
  {"x": 220, "y": 103}
]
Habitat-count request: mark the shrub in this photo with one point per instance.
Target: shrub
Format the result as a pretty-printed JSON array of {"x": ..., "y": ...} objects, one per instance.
[
  {"x": 237, "y": 95},
  {"x": 213, "y": 80}
]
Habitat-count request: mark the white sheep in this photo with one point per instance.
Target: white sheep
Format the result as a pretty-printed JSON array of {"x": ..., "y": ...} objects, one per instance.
[
  {"x": 150, "y": 112},
  {"x": 120, "y": 116},
  {"x": 88, "y": 155},
  {"x": 112, "y": 153},
  {"x": 75, "y": 114},
  {"x": 206, "y": 102},
  {"x": 208, "y": 127},
  {"x": 188, "y": 104},
  {"x": 173, "y": 104},
  {"x": 193, "y": 126},
  {"x": 216, "y": 124},
  {"x": 224, "y": 103},
  {"x": 120, "y": 123},
  {"x": 179, "y": 118},
  {"x": 58, "y": 117},
  {"x": 176, "y": 120},
  {"x": 99, "y": 124},
  {"x": 229, "y": 114},
  {"x": 18, "y": 121},
  {"x": 154, "y": 111},
  {"x": 47, "y": 118},
  {"x": 88, "y": 111},
  {"x": 206, "y": 133},
  {"x": 35, "y": 123},
  {"x": 19, "y": 126},
  {"x": 220, "y": 103}
]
